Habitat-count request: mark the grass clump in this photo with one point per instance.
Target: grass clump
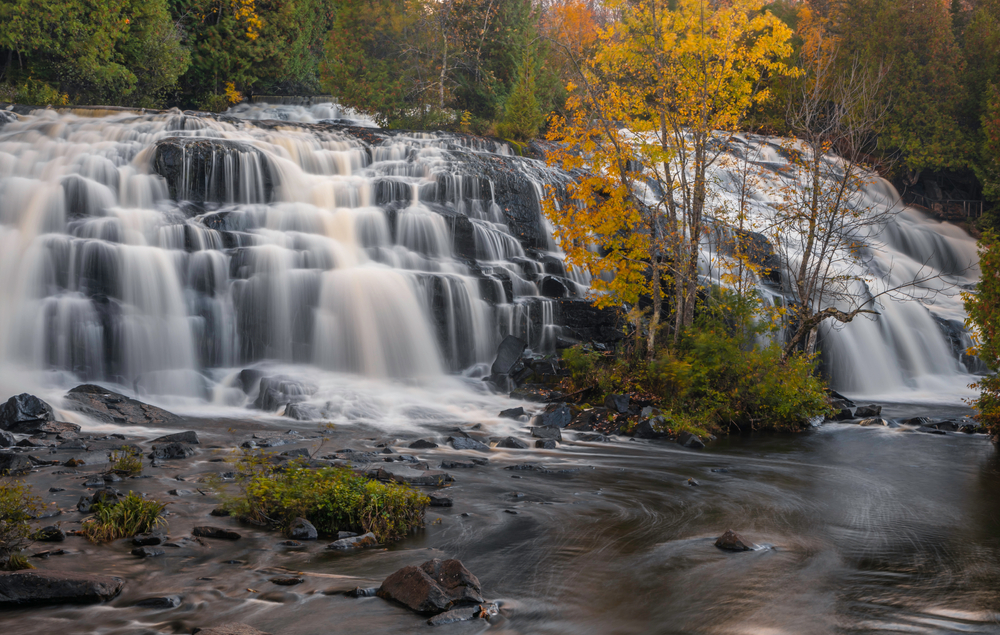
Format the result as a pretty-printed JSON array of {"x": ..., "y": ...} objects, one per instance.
[
  {"x": 18, "y": 506},
  {"x": 332, "y": 499},
  {"x": 126, "y": 461},
  {"x": 128, "y": 517}
]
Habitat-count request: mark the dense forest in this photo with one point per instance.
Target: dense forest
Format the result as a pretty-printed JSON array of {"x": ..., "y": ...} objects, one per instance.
[{"x": 492, "y": 67}]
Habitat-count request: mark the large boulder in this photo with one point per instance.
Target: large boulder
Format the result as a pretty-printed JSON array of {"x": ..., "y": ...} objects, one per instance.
[
  {"x": 14, "y": 464},
  {"x": 51, "y": 587},
  {"x": 866, "y": 412},
  {"x": 215, "y": 170},
  {"x": 111, "y": 407},
  {"x": 279, "y": 391},
  {"x": 508, "y": 354},
  {"x": 24, "y": 409},
  {"x": 434, "y": 587}
]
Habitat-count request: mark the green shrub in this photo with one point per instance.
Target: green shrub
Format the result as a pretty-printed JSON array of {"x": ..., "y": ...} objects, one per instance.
[
  {"x": 132, "y": 515},
  {"x": 126, "y": 461},
  {"x": 18, "y": 506},
  {"x": 718, "y": 376},
  {"x": 332, "y": 499}
]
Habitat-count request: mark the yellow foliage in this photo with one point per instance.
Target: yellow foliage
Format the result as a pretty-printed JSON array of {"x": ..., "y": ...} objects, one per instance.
[
  {"x": 233, "y": 96},
  {"x": 246, "y": 12}
]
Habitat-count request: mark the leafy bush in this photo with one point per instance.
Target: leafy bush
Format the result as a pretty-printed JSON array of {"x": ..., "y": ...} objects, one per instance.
[
  {"x": 718, "y": 376},
  {"x": 132, "y": 515},
  {"x": 126, "y": 461},
  {"x": 332, "y": 499},
  {"x": 18, "y": 506}
]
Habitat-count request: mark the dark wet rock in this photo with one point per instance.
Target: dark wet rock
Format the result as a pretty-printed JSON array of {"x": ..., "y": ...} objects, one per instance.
[
  {"x": 508, "y": 353},
  {"x": 55, "y": 587},
  {"x": 110, "y": 407},
  {"x": 440, "y": 499},
  {"x": 173, "y": 450},
  {"x": 689, "y": 440},
  {"x": 651, "y": 428},
  {"x": 354, "y": 542},
  {"x": 148, "y": 552},
  {"x": 50, "y": 534},
  {"x": 412, "y": 476},
  {"x": 585, "y": 322},
  {"x": 731, "y": 541},
  {"x": 512, "y": 443},
  {"x": 844, "y": 415},
  {"x": 32, "y": 443},
  {"x": 866, "y": 412},
  {"x": 593, "y": 438},
  {"x": 279, "y": 391},
  {"x": 451, "y": 465},
  {"x": 836, "y": 396},
  {"x": 547, "y": 432},
  {"x": 97, "y": 480},
  {"x": 7, "y": 439},
  {"x": 220, "y": 533},
  {"x": 149, "y": 539},
  {"x": 434, "y": 587},
  {"x": 692, "y": 482},
  {"x": 546, "y": 444},
  {"x": 22, "y": 411},
  {"x": 303, "y": 412},
  {"x": 345, "y": 534},
  {"x": 286, "y": 581},
  {"x": 108, "y": 496},
  {"x": 916, "y": 421},
  {"x": 617, "y": 403},
  {"x": 14, "y": 464},
  {"x": 422, "y": 444},
  {"x": 558, "y": 417},
  {"x": 930, "y": 430},
  {"x": 192, "y": 169},
  {"x": 190, "y": 437},
  {"x": 512, "y": 413},
  {"x": 219, "y": 511},
  {"x": 466, "y": 443},
  {"x": 232, "y": 628},
  {"x": 359, "y": 592},
  {"x": 294, "y": 544},
  {"x": 464, "y": 614},
  {"x": 162, "y": 602},
  {"x": 874, "y": 421},
  {"x": 302, "y": 529}
]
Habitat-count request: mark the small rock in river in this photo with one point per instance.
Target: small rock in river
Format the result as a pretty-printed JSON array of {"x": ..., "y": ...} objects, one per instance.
[
  {"x": 731, "y": 541},
  {"x": 433, "y": 587},
  {"x": 512, "y": 413},
  {"x": 50, "y": 534},
  {"x": 287, "y": 581},
  {"x": 148, "y": 552},
  {"x": 871, "y": 410},
  {"x": 512, "y": 443},
  {"x": 357, "y": 542},
  {"x": 302, "y": 529},
  {"x": 149, "y": 539},
  {"x": 164, "y": 602},
  {"x": 546, "y": 444},
  {"x": 422, "y": 444},
  {"x": 440, "y": 499},
  {"x": 215, "y": 532}
]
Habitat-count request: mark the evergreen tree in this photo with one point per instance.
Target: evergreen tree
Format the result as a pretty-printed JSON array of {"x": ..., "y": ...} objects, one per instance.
[{"x": 522, "y": 117}]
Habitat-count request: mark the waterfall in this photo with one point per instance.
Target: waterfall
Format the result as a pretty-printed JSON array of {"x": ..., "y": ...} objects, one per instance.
[{"x": 164, "y": 252}]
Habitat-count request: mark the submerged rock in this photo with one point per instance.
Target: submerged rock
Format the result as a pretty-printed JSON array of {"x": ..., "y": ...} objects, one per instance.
[
  {"x": 219, "y": 533},
  {"x": 433, "y": 587},
  {"x": 53, "y": 587},
  {"x": 354, "y": 542},
  {"x": 731, "y": 541},
  {"x": 161, "y": 602},
  {"x": 232, "y": 628}
]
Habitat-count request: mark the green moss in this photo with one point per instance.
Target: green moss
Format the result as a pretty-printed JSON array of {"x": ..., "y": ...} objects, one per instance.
[{"x": 332, "y": 499}]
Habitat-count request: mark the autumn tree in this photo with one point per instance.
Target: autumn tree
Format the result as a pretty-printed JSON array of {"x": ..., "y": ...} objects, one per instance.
[
  {"x": 983, "y": 307},
  {"x": 670, "y": 82}
]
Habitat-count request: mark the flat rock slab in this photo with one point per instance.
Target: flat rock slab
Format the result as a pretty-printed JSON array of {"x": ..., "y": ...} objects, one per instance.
[
  {"x": 104, "y": 405},
  {"x": 405, "y": 474},
  {"x": 52, "y": 587}
]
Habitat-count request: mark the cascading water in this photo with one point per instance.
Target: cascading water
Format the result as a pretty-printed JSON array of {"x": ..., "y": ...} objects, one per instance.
[
  {"x": 913, "y": 349},
  {"x": 163, "y": 252}
]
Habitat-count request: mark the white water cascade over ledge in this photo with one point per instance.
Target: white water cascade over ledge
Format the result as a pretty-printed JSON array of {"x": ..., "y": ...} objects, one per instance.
[{"x": 163, "y": 253}]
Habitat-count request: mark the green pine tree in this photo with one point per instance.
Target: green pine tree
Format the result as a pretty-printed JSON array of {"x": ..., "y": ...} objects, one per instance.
[{"x": 522, "y": 117}]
